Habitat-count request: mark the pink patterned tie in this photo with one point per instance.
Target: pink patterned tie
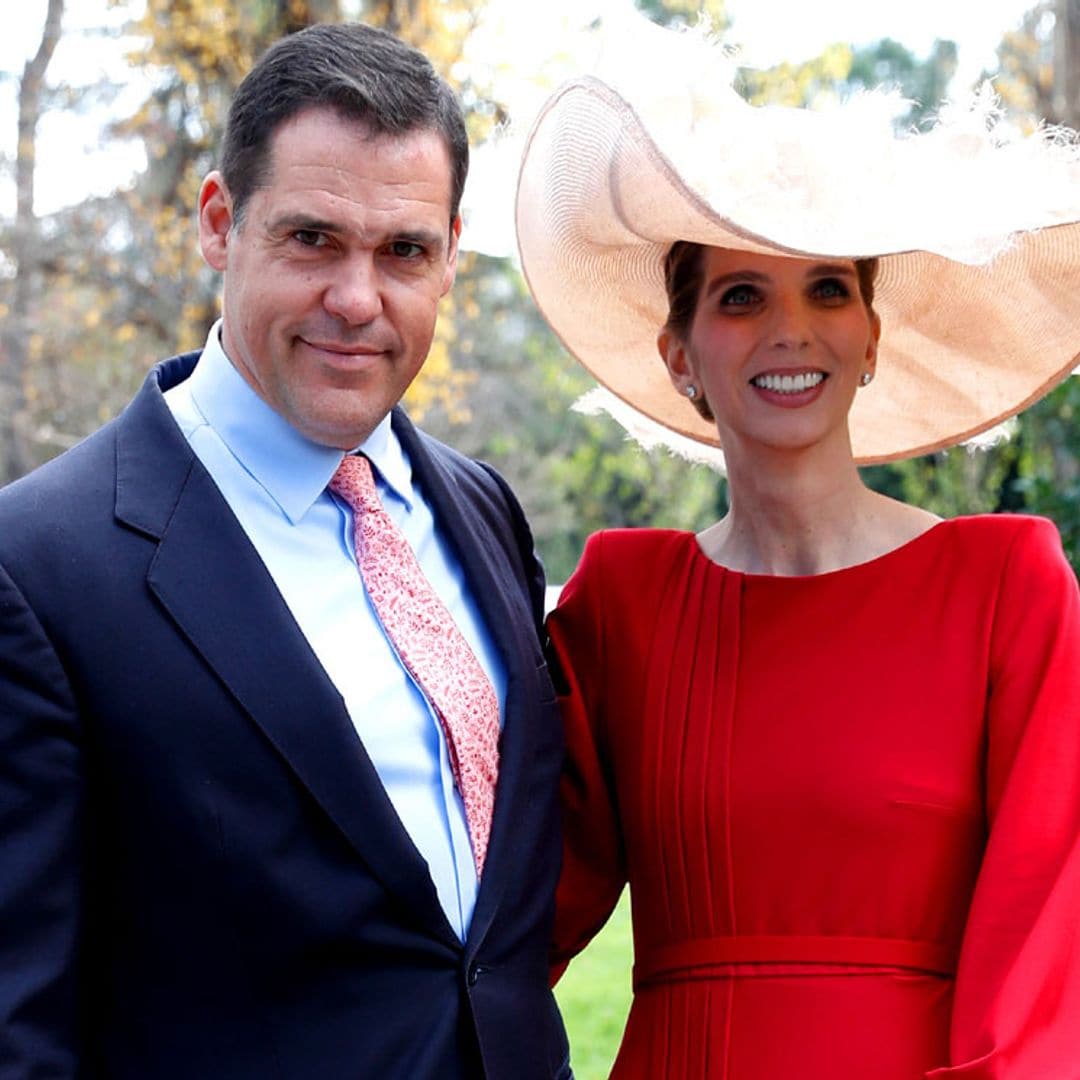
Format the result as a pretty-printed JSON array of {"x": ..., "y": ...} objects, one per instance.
[{"x": 430, "y": 646}]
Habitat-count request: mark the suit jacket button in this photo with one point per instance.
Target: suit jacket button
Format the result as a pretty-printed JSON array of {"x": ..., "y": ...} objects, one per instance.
[{"x": 475, "y": 971}]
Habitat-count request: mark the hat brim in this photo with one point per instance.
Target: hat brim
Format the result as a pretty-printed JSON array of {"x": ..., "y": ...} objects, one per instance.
[{"x": 963, "y": 347}]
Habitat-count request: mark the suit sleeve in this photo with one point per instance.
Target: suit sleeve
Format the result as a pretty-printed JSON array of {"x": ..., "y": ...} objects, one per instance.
[
  {"x": 40, "y": 850},
  {"x": 1016, "y": 1013},
  {"x": 594, "y": 865}
]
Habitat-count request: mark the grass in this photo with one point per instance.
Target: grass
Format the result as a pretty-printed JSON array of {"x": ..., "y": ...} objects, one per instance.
[{"x": 594, "y": 996}]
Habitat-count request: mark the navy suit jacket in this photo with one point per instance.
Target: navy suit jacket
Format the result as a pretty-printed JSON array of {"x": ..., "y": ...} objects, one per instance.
[{"x": 201, "y": 875}]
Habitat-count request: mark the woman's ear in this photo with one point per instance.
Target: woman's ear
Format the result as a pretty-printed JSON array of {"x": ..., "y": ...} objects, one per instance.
[
  {"x": 872, "y": 344},
  {"x": 676, "y": 359}
]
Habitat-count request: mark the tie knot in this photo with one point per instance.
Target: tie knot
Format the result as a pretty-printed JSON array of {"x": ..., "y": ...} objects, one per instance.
[{"x": 355, "y": 483}]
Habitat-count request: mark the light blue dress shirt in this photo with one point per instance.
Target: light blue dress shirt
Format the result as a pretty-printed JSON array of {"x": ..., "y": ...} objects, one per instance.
[{"x": 274, "y": 480}]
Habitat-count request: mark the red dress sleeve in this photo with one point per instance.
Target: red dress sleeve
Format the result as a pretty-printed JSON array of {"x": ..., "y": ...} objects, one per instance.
[
  {"x": 594, "y": 866},
  {"x": 1016, "y": 1013}
]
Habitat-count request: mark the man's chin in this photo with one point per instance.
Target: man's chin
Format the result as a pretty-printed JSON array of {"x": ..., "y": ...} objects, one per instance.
[{"x": 338, "y": 433}]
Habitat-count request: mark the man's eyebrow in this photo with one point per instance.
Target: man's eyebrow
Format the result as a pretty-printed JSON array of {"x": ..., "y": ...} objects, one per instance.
[
  {"x": 427, "y": 237},
  {"x": 303, "y": 221},
  {"x": 424, "y": 237}
]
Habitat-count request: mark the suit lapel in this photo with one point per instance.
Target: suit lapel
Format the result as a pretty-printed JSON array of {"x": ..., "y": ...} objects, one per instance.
[
  {"x": 212, "y": 583},
  {"x": 483, "y": 562}
]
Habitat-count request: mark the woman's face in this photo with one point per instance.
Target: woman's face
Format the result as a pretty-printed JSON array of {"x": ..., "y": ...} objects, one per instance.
[{"x": 776, "y": 345}]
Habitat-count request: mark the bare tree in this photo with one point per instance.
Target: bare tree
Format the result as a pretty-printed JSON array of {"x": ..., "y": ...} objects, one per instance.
[
  {"x": 1067, "y": 62},
  {"x": 25, "y": 246}
]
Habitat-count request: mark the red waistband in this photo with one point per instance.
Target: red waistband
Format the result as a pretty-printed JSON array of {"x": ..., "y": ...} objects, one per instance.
[{"x": 668, "y": 963}]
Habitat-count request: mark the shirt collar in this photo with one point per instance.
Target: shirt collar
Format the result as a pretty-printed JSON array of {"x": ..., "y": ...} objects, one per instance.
[
  {"x": 293, "y": 470},
  {"x": 384, "y": 450}
]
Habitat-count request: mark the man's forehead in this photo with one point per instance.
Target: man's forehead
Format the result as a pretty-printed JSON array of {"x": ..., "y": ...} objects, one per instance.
[
  {"x": 351, "y": 131},
  {"x": 332, "y": 151}
]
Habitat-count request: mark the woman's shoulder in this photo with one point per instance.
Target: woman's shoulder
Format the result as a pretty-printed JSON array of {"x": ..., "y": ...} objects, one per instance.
[
  {"x": 1003, "y": 532},
  {"x": 1021, "y": 547},
  {"x": 622, "y": 546},
  {"x": 621, "y": 561}
]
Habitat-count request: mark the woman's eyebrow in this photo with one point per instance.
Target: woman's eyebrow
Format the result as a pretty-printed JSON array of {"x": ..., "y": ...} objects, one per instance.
[{"x": 736, "y": 276}]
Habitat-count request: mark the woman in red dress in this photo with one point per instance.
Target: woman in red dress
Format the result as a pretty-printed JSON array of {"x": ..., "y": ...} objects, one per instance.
[{"x": 832, "y": 743}]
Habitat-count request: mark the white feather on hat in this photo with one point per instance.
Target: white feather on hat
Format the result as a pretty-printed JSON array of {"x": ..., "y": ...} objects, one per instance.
[{"x": 977, "y": 229}]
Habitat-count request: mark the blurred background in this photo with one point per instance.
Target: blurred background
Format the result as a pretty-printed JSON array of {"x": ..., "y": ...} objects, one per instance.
[{"x": 110, "y": 112}]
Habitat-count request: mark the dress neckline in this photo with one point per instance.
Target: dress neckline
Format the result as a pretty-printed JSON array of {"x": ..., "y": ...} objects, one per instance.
[{"x": 896, "y": 553}]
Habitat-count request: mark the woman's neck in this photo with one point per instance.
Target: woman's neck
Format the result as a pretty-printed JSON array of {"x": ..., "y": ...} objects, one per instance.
[{"x": 799, "y": 513}]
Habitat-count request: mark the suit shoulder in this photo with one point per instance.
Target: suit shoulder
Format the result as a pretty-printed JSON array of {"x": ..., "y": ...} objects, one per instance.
[
  {"x": 453, "y": 459},
  {"x": 484, "y": 501},
  {"x": 69, "y": 478},
  {"x": 479, "y": 483},
  {"x": 83, "y": 479}
]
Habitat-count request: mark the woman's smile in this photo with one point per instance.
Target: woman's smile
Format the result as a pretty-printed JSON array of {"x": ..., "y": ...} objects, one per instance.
[{"x": 789, "y": 389}]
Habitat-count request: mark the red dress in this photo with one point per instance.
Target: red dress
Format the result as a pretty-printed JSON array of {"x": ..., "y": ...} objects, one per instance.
[{"x": 847, "y": 805}]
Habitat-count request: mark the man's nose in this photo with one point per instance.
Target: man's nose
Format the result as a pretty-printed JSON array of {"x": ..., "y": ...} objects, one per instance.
[{"x": 355, "y": 295}]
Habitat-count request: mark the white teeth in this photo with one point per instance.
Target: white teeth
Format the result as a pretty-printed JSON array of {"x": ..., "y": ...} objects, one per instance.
[{"x": 788, "y": 384}]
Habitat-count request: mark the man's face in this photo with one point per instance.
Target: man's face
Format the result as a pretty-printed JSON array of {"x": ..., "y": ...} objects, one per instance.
[{"x": 334, "y": 274}]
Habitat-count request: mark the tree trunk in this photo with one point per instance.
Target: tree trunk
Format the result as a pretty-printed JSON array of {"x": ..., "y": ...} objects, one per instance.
[
  {"x": 1067, "y": 62},
  {"x": 14, "y": 343}
]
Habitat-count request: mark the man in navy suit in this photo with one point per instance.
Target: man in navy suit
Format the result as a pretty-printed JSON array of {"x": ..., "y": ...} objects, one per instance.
[{"x": 231, "y": 844}]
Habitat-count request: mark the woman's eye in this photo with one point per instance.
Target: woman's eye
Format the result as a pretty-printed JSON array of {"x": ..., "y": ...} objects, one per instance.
[
  {"x": 739, "y": 295},
  {"x": 831, "y": 289}
]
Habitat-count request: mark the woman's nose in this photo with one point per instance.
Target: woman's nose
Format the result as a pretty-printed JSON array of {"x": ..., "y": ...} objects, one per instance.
[{"x": 791, "y": 325}]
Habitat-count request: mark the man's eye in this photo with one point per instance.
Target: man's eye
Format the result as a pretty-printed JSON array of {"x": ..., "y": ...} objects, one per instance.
[
  {"x": 406, "y": 249},
  {"x": 309, "y": 237}
]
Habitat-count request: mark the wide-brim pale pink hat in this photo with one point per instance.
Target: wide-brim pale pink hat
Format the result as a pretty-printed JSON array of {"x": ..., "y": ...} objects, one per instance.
[{"x": 977, "y": 231}]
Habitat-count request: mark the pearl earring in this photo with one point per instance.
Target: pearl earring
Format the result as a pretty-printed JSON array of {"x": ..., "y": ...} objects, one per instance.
[
  {"x": 691, "y": 391},
  {"x": 866, "y": 378}
]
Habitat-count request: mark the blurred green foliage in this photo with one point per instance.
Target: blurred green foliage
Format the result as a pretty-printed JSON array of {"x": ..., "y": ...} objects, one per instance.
[{"x": 594, "y": 996}]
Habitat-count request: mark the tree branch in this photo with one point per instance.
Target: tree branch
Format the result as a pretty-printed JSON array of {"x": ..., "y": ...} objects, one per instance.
[{"x": 14, "y": 458}]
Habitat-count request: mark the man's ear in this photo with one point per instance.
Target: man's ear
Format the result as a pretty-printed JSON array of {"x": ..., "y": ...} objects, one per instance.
[
  {"x": 451, "y": 255},
  {"x": 215, "y": 220}
]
